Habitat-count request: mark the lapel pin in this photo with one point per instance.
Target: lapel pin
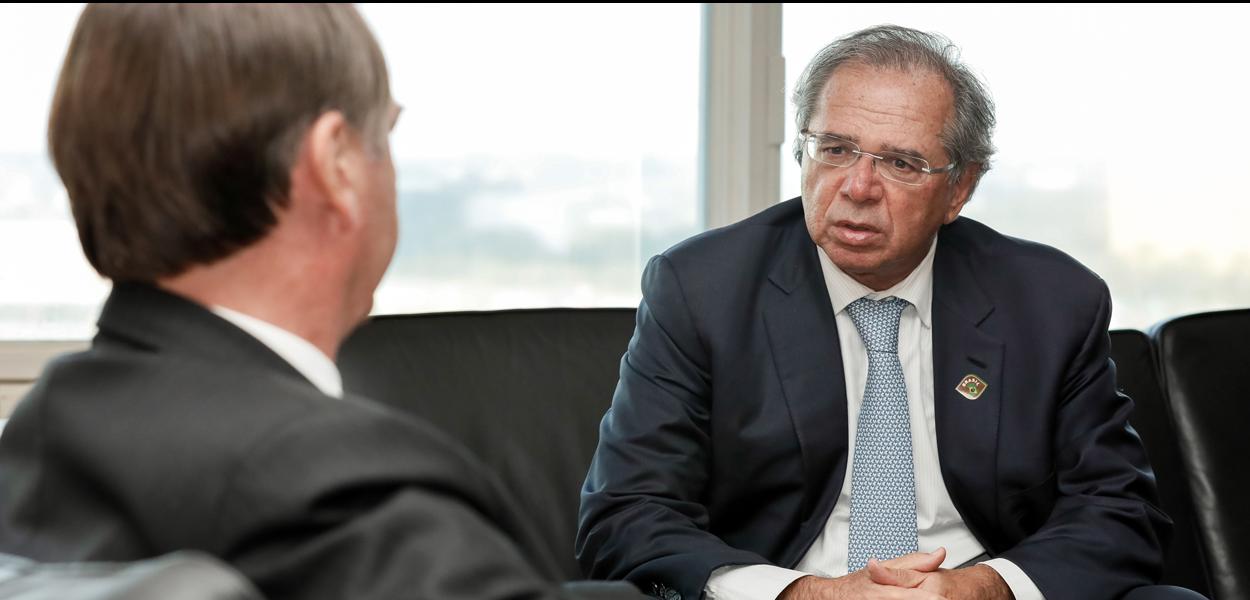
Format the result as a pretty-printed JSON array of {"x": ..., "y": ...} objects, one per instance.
[{"x": 971, "y": 387}]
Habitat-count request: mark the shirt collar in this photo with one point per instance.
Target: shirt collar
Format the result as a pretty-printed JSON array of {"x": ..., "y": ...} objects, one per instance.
[
  {"x": 300, "y": 353},
  {"x": 916, "y": 288}
]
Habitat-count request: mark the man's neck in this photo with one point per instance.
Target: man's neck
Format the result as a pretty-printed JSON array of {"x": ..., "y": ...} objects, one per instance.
[{"x": 294, "y": 297}]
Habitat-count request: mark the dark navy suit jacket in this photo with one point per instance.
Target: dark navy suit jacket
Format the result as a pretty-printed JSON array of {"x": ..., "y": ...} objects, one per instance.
[{"x": 726, "y": 442}]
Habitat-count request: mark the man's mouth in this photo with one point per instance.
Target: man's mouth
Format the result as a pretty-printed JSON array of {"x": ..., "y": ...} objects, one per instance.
[{"x": 853, "y": 233}]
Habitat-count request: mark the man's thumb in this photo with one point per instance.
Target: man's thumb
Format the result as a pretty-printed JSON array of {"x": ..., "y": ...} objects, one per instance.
[{"x": 897, "y": 577}]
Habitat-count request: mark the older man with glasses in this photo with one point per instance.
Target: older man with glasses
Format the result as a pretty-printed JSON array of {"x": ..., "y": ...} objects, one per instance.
[{"x": 860, "y": 394}]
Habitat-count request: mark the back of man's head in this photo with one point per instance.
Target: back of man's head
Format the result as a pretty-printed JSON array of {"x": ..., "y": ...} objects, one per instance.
[{"x": 175, "y": 127}]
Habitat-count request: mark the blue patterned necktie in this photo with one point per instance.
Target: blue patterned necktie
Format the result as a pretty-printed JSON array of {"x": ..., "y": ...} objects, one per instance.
[{"x": 883, "y": 488}]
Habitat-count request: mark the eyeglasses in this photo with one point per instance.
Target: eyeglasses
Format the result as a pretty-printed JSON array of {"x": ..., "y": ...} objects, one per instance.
[{"x": 837, "y": 152}]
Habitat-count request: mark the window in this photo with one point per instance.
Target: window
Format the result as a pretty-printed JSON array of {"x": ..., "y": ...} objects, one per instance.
[
  {"x": 1120, "y": 135},
  {"x": 544, "y": 154},
  {"x": 47, "y": 289},
  {"x": 545, "y": 151}
]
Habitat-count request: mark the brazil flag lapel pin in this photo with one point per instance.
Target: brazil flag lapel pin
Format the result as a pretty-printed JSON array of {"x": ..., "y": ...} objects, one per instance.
[{"x": 971, "y": 387}]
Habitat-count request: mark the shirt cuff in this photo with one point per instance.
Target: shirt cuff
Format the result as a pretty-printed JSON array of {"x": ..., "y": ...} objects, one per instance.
[
  {"x": 749, "y": 582},
  {"x": 1021, "y": 586}
]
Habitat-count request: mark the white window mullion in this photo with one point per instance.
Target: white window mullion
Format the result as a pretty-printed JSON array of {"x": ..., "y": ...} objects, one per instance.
[{"x": 742, "y": 121}]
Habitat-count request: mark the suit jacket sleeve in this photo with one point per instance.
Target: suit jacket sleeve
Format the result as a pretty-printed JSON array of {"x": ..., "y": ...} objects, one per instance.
[
  {"x": 1104, "y": 534},
  {"x": 642, "y": 516},
  {"x": 388, "y": 509}
]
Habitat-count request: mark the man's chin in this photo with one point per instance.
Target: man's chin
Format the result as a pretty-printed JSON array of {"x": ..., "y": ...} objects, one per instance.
[{"x": 854, "y": 260}]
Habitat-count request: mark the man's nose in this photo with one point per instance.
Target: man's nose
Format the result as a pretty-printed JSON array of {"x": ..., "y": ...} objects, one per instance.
[{"x": 861, "y": 183}]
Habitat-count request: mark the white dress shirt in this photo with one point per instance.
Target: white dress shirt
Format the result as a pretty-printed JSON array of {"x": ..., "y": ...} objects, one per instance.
[
  {"x": 938, "y": 523},
  {"x": 295, "y": 350}
]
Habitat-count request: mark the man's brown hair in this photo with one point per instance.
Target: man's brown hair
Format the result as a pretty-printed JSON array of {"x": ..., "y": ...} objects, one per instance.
[{"x": 174, "y": 127}]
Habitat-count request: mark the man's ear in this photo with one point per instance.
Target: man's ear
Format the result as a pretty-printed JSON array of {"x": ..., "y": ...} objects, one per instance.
[
  {"x": 961, "y": 190},
  {"x": 329, "y": 155}
]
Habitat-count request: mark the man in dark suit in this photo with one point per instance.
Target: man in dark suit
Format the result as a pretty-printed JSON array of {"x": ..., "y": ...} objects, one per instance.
[
  {"x": 857, "y": 392},
  {"x": 229, "y": 170}
]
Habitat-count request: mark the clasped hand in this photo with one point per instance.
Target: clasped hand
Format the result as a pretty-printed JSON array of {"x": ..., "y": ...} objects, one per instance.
[{"x": 915, "y": 576}]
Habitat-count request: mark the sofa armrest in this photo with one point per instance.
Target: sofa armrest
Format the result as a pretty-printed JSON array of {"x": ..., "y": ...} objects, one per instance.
[{"x": 176, "y": 576}]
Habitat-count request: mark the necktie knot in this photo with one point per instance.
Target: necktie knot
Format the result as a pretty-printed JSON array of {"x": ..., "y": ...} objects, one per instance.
[{"x": 877, "y": 322}]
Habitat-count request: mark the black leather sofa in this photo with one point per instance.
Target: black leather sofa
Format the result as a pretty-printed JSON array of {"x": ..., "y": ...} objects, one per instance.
[
  {"x": 525, "y": 390},
  {"x": 1204, "y": 362},
  {"x": 1137, "y": 374}
]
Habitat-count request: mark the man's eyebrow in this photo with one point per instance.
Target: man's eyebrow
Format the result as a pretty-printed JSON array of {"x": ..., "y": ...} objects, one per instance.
[
  {"x": 849, "y": 138},
  {"x": 885, "y": 148},
  {"x": 901, "y": 150}
]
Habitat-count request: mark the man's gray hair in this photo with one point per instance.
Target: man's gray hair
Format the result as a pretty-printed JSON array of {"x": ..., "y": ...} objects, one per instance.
[{"x": 966, "y": 137}]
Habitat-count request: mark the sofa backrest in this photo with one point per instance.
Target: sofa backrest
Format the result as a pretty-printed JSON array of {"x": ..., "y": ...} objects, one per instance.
[
  {"x": 524, "y": 390},
  {"x": 1137, "y": 375},
  {"x": 1205, "y": 365}
]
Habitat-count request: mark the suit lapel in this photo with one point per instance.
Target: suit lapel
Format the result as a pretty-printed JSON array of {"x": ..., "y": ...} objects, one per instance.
[
  {"x": 803, "y": 336},
  {"x": 967, "y": 430}
]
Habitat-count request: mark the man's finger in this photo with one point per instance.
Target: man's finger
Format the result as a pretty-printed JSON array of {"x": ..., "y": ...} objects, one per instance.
[
  {"x": 912, "y": 594},
  {"x": 918, "y": 561}
]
